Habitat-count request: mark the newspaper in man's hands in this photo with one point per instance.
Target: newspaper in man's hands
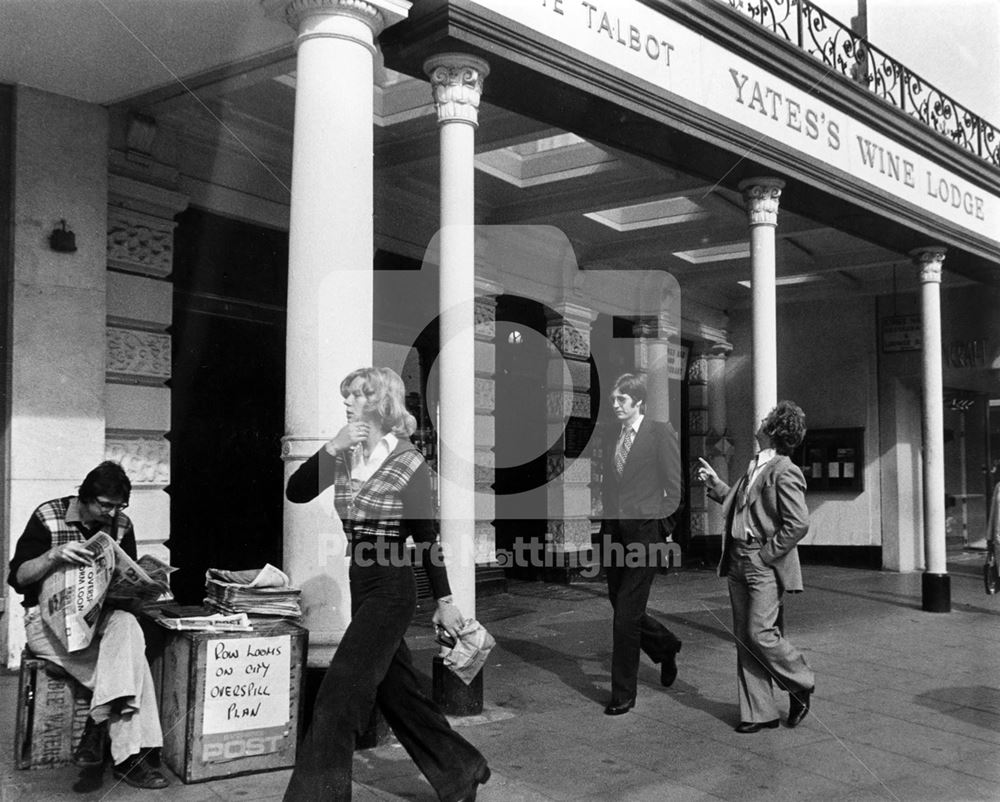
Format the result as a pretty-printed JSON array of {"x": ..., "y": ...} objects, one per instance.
[{"x": 71, "y": 596}]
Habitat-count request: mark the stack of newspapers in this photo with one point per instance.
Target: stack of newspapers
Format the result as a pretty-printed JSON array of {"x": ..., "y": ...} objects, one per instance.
[{"x": 267, "y": 591}]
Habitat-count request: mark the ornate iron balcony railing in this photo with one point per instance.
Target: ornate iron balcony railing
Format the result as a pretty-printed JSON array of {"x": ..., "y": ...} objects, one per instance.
[{"x": 806, "y": 25}]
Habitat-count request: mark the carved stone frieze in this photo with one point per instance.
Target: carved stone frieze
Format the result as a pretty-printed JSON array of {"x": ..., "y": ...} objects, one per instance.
[
  {"x": 571, "y": 341},
  {"x": 698, "y": 370},
  {"x": 134, "y": 355},
  {"x": 145, "y": 456},
  {"x": 140, "y": 243},
  {"x": 485, "y": 309}
]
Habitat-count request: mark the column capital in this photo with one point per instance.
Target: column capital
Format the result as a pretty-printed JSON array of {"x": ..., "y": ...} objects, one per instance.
[
  {"x": 761, "y": 196},
  {"x": 570, "y": 310},
  {"x": 457, "y": 82},
  {"x": 714, "y": 350},
  {"x": 486, "y": 286},
  {"x": 929, "y": 260},
  {"x": 376, "y": 14}
]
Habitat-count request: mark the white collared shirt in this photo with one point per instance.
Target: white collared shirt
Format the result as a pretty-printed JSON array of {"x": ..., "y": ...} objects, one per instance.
[
  {"x": 635, "y": 427},
  {"x": 361, "y": 468},
  {"x": 741, "y": 525},
  {"x": 764, "y": 456}
]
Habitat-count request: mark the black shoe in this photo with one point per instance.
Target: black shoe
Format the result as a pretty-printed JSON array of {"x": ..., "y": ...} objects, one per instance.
[
  {"x": 89, "y": 752},
  {"x": 90, "y": 780},
  {"x": 482, "y": 776},
  {"x": 747, "y": 727},
  {"x": 668, "y": 668},
  {"x": 614, "y": 709},
  {"x": 798, "y": 707},
  {"x": 135, "y": 771}
]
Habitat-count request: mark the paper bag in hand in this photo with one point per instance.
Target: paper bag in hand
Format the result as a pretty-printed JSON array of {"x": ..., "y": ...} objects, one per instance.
[{"x": 467, "y": 655}]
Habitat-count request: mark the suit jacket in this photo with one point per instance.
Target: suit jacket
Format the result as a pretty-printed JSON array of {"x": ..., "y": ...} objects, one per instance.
[
  {"x": 777, "y": 515},
  {"x": 637, "y": 504}
]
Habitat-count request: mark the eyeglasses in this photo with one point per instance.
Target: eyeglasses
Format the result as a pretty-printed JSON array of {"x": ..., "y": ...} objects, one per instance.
[{"x": 110, "y": 506}]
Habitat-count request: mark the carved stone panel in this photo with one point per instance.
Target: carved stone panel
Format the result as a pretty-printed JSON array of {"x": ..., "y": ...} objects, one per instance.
[
  {"x": 570, "y": 340},
  {"x": 145, "y": 456},
  {"x": 140, "y": 243},
  {"x": 136, "y": 356}
]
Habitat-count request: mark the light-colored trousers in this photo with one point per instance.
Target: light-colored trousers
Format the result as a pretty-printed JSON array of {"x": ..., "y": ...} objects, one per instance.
[
  {"x": 114, "y": 668},
  {"x": 764, "y": 655}
]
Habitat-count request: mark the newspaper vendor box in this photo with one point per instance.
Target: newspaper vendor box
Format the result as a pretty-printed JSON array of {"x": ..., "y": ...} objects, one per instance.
[{"x": 230, "y": 702}]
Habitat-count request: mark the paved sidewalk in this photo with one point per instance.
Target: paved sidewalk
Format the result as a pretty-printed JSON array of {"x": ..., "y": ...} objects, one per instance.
[{"x": 907, "y": 704}]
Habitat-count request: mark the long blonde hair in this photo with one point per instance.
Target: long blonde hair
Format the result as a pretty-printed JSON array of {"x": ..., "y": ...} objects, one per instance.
[{"x": 384, "y": 395}]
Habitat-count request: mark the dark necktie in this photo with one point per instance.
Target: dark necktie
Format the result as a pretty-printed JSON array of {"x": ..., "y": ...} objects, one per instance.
[
  {"x": 747, "y": 479},
  {"x": 622, "y": 449}
]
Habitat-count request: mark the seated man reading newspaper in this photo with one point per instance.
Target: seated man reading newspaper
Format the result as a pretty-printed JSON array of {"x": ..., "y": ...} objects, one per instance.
[{"x": 75, "y": 566}]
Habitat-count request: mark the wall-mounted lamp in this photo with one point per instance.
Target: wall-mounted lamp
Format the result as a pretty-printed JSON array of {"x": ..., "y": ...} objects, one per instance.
[{"x": 62, "y": 239}]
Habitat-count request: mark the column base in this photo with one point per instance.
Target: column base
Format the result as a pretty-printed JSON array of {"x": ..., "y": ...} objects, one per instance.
[
  {"x": 935, "y": 592},
  {"x": 453, "y": 696}
]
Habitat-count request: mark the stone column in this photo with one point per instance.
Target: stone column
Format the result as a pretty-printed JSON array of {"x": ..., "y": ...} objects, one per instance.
[
  {"x": 330, "y": 296},
  {"x": 761, "y": 196},
  {"x": 656, "y": 337},
  {"x": 457, "y": 82},
  {"x": 935, "y": 584},
  {"x": 708, "y": 435},
  {"x": 567, "y": 470}
]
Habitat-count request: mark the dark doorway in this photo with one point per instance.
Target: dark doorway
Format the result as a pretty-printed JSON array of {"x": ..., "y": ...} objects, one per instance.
[
  {"x": 227, "y": 401},
  {"x": 522, "y": 354},
  {"x": 612, "y": 344}
]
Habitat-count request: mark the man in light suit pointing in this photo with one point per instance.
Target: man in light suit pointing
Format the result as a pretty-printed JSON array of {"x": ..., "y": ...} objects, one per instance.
[
  {"x": 641, "y": 488},
  {"x": 765, "y": 516}
]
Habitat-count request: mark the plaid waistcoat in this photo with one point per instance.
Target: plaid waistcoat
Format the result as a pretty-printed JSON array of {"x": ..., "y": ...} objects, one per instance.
[
  {"x": 377, "y": 508},
  {"x": 53, "y": 515}
]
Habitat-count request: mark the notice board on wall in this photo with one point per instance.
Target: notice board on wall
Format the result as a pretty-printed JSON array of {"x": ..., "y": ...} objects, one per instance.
[{"x": 833, "y": 459}]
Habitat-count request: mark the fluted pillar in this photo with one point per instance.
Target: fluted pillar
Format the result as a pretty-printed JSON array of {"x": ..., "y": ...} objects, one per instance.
[
  {"x": 761, "y": 196},
  {"x": 330, "y": 296},
  {"x": 936, "y": 584}
]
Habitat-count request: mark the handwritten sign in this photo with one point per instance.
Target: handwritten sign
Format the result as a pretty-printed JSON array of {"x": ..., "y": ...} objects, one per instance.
[{"x": 247, "y": 684}]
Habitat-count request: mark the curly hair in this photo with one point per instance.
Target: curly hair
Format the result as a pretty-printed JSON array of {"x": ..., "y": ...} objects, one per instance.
[
  {"x": 385, "y": 395},
  {"x": 786, "y": 426}
]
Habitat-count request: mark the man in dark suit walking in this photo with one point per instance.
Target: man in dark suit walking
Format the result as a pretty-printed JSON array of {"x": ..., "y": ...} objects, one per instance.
[
  {"x": 641, "y": 488},
  {"x": 766, "y": 516}
]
